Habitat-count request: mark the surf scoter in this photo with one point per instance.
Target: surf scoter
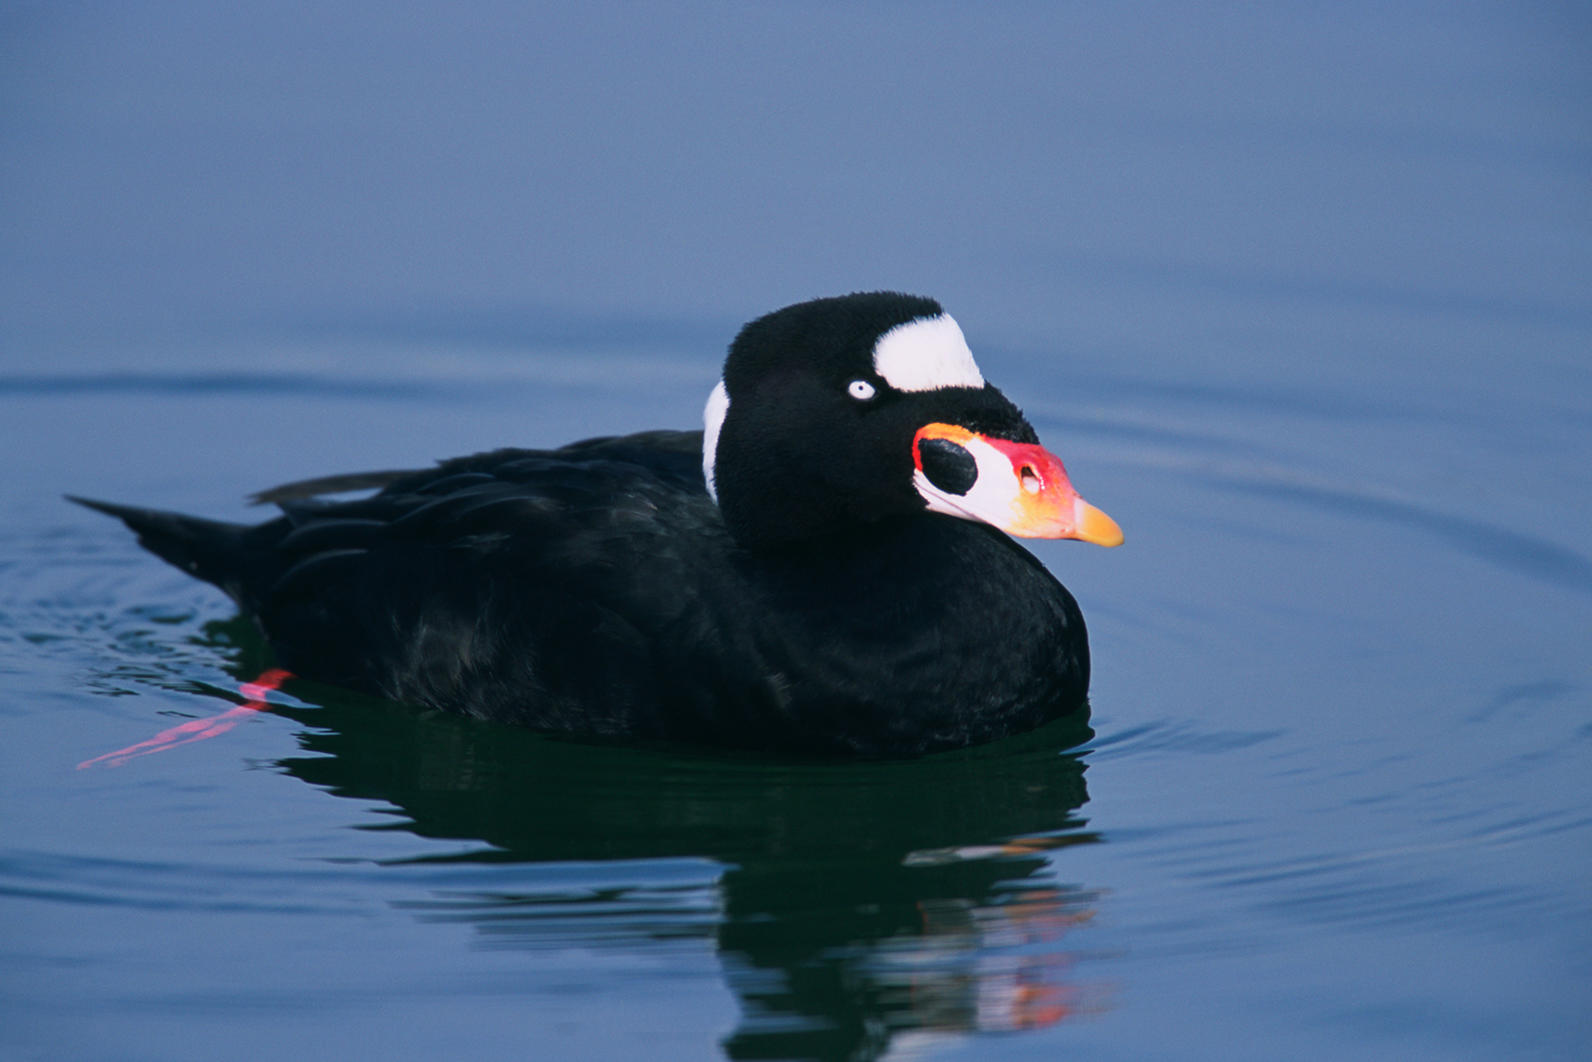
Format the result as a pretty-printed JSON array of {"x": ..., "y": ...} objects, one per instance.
[{"x": 824, "y": 569}]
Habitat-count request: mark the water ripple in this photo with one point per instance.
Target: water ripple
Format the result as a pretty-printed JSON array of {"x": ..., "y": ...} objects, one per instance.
[
  {"x": 1169, "y": 736},
  {"x": 1503, "y": 547},
  {"x": 154, "y": 886},
  {"x": 191, "y": 383}
]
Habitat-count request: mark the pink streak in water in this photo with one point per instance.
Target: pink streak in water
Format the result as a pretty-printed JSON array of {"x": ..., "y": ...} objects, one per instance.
[{"x": 199, "y": 729}]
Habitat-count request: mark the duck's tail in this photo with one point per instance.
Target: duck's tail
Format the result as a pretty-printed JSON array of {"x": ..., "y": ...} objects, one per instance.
[{"x": 206, "y": 549}]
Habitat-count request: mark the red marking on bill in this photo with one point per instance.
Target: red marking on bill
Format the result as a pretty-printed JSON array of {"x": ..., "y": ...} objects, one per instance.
[{"x": 199, "y": 729}]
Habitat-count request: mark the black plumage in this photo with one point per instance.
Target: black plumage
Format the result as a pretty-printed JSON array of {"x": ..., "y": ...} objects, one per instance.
[{"x": 598, "y": 590}]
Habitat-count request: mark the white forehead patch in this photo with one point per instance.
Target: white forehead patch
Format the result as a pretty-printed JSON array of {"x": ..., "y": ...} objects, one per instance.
[
  {"x": 712, "y": 423},
  {"x": 925, "y": 355}
]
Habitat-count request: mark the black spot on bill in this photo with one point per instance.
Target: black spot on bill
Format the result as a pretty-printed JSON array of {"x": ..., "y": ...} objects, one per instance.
[{"x": 949, "y": 467}]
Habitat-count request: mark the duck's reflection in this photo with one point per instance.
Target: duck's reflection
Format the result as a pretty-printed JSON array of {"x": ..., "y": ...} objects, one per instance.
[{"x": 858, "y": 910}]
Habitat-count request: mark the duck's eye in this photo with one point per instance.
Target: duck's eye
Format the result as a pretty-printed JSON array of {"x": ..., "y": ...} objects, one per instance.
[{"x": 861, "y": 390}]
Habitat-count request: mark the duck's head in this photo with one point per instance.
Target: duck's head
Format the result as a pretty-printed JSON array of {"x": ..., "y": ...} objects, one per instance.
[{"x": 853, "y": 409}]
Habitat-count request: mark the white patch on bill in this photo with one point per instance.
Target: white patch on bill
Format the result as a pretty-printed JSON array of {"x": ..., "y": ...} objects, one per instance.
[
  {"x": 712, "y": 423},
  {"x": 926, "y": 355},
  {"x": 991, "y": 497}
]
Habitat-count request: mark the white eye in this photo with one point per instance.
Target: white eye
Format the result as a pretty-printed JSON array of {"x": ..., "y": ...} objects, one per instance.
[{"x": 861, "y": 390}]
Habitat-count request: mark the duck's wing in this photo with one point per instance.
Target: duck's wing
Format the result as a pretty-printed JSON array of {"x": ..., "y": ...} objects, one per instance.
[{"x": 526, "y": 586}]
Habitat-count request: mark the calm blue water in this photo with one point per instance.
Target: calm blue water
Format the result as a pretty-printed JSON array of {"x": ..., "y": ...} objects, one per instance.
[{"x": 1304, "y": 300}]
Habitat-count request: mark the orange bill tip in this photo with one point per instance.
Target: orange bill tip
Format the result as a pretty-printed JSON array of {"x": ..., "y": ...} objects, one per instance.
[{"x": 1092, "y": 525}]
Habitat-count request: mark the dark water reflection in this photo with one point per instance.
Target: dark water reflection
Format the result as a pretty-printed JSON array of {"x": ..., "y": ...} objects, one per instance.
[{"x": 851, "y": 905}]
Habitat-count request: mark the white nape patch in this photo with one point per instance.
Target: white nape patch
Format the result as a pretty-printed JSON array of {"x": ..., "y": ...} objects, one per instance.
[
  {"x": 712, "y": 423},
  {"x": 925, "y": 355}
]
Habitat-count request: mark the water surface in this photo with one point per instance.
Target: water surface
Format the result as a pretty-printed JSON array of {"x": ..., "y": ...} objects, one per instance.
[{"x": 1302, "y": 301}]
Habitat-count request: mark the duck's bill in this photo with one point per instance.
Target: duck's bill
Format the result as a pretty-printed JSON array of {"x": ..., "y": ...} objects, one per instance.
[{"x": 1020, "y": 488}]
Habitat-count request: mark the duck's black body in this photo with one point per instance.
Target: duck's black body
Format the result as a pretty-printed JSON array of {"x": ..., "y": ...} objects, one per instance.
[{"x": 600, "y": 590}]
